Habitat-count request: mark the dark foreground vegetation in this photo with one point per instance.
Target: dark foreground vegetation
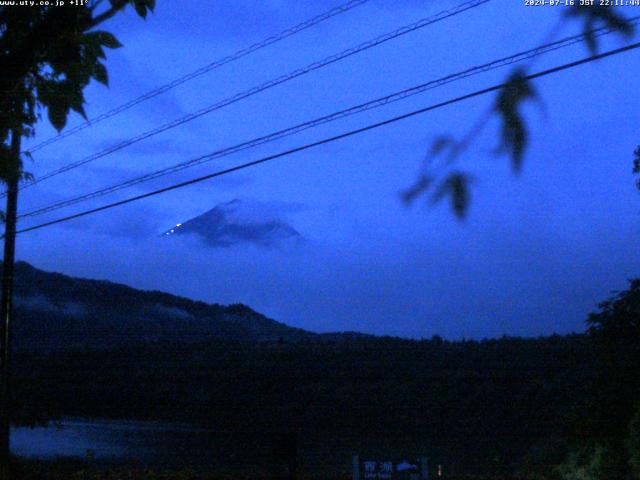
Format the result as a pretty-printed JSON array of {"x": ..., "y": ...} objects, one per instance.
[
  {"x": 473, "y": 406},
  {"x": 560, "y": 407},
  {"x": 66, "y": 470},
  {"x": 77, "y": 470}
]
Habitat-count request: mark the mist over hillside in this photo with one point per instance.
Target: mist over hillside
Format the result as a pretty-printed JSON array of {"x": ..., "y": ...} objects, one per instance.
[{"x": 55, "y": 311}]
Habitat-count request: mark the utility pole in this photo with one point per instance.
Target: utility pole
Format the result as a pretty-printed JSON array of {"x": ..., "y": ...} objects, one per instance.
[{"x": 6, "y": 310}]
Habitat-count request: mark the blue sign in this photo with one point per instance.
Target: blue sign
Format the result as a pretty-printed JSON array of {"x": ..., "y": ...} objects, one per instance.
[{"x": 389, "y": 469}]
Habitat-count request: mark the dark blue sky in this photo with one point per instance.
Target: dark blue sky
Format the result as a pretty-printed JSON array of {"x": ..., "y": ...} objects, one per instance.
[{"x": 535, "y": 255}]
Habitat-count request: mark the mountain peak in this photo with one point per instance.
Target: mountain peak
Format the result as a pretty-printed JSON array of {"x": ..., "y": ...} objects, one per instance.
[{"x": 236, "y": 222}]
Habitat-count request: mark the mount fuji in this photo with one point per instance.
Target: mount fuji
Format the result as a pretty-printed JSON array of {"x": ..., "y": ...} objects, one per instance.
[{"x": 238, "y": 222}]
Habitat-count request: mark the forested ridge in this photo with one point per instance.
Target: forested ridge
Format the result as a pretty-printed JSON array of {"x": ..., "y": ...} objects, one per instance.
[
  {"x": 474, "y": 406},
  {"x": 548, "y": 406}
]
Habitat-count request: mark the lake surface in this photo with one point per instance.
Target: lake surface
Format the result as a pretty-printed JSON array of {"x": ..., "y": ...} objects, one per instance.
[{"x": 117, "y": 441}]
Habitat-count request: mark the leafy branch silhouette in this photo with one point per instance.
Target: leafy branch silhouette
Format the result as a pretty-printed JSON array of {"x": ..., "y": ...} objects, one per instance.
[
  {"x": 48, "y": 55},
  {"x": 514, "y": 134}
]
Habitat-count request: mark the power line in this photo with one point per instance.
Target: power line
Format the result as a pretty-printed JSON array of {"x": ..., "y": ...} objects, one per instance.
[
  {"x": 201, "y": 71},
  {"x": 265, "y": 86},
  {"x": 379, "y": 102},
  {"x": 350, "y": 133}
]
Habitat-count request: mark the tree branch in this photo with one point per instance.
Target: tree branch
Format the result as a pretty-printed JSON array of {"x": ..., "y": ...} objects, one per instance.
[{"x": 107, "y": 14}]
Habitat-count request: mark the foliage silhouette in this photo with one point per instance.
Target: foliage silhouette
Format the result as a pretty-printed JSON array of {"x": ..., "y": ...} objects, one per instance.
[
  {"x": 230, "y": 369},
  {"x": 48, "y": 55},
  {"x": 513, "y": 126},
  {"x": 597, "y": 16},
  {"x": 605, "y": 443}
]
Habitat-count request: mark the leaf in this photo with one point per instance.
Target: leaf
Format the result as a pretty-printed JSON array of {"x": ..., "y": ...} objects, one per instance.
[
  {"x": 456, "y": 187},
  {"x": 74, "y": 96},
  {"x": 143, "y": 6},
  {"x": 59, "y": 97},
  {"x": 596, "y": 15},
  {"x": 58, "y": 111},
  {"x": 140, "y": 9},
  {"x": 513, "y": 132},
  {"x": 106, "y": 39},
  {"x": 589, "y": 37},
  {"x": 459, "y": 194},
  {"x": 100, "y": 74},
  {"x": 93, "y": 47},
  {"x": 79, "y": 108}
]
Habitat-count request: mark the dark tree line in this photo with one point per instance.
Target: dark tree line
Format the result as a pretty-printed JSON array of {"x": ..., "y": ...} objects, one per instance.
[{"x": 475, "y": 407}]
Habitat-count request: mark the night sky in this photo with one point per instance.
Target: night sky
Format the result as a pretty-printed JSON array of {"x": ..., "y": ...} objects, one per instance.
[{"x": 535, "y": 255}]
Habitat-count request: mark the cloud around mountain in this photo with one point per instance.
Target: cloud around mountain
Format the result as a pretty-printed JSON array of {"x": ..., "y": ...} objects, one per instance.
[{"x": 239, "y": 222}]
